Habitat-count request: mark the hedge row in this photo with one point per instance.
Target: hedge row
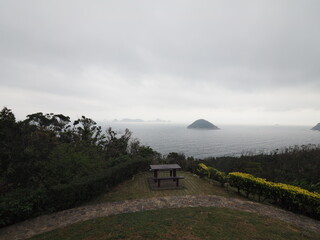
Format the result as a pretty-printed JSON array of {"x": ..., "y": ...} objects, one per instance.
[
  {"x": 287, "y": 196},
  {"x": 26, "y": 203},
  {"x": 22, "y": 204},
  {"x": 69, "y": 195},
  {"x": 212, "y": 173}
]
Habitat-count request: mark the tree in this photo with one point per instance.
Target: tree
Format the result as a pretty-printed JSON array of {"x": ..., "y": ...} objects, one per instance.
[
  {"x": 117, "y": 146},
  {"x": 86, "y": 131},
  {"x": 8, "y": 146},
  {"x": 57, "y": 123}
]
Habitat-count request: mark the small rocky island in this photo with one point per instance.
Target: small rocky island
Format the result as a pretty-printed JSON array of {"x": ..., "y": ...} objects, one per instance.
[
  {"x": 202, "y": 124},
  {"x": 316, "y": 127}
]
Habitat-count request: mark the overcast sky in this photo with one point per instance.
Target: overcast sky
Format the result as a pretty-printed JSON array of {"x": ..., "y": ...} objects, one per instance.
[{"x": 230, "y": 62}]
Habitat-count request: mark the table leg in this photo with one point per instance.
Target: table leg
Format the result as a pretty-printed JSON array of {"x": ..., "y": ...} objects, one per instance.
[
  {"x": 177, "y": 183},
  {"x": 170, "y": 173},
  {"x": 155, "y": 175},
  {"x": 174, "y": 173}
]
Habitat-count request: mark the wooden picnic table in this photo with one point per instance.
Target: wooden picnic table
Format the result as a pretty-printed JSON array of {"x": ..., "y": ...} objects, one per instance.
[{"x": 166, "y": 167}]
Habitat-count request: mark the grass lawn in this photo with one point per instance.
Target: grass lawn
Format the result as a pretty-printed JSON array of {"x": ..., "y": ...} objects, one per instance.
[
  {"x": 138, "y": 188},
  {"x": 183, "y": 223}
]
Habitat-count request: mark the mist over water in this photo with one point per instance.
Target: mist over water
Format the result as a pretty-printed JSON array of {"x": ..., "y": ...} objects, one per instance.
[{"x": 229, "y": 140}]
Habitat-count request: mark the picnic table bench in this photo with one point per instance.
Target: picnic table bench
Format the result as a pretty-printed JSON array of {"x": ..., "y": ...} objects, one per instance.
[{"x": 176, "y": 179}]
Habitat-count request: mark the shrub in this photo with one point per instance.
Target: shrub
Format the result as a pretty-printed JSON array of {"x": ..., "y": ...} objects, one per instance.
[
  {"x": 212, "y": 173},
  {"x": 202, "y": 170}
]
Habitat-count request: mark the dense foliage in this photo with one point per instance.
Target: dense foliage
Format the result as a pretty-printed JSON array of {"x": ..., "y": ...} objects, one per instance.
[
  {"x": 298, "y": 165},
  {"x": 24, "y": 203},
  {"x": 48, "y": 163}
]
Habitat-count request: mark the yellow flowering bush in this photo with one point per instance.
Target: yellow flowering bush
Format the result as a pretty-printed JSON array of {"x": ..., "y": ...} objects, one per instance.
[
  {"x": 202, "y": 170},
  {"x": 213, "y": 173},
  {"x": 287, "y": 196},
  {"x": 203, "y": 166}
]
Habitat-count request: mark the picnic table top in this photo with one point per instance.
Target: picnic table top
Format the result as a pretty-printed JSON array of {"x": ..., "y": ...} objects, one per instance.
[{"x": 165, "y": 167}]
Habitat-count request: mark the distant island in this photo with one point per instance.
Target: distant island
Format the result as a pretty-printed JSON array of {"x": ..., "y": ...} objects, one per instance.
[
  {"x": 202, "y": 124},
  {"x": 316, "y": 127},
  {"x": 129, "y": 120}
]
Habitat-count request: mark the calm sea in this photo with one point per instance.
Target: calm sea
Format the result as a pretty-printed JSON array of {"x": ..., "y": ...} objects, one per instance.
[{"x": 229, "y": 140}]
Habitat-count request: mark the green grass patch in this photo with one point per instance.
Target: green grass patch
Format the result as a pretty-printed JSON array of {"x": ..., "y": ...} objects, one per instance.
[
  {"x": 182, "y": 223},
  {"x": 138, "y": 188}
]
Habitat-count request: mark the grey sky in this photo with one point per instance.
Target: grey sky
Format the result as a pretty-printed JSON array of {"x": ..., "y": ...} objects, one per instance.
[{"x": 244, "y": 62}]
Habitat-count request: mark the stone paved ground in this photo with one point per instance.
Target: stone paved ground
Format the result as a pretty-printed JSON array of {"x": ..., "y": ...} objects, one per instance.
[{"x": 46, "y": 223}]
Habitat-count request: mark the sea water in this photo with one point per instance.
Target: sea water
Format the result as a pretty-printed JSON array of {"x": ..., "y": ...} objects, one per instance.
[{"x": 227, "y": 141}]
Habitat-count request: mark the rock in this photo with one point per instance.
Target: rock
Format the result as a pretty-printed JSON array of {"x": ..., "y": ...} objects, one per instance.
[
  {"x": 202, "y": 124},
  {"x": 316, "y": 127}
]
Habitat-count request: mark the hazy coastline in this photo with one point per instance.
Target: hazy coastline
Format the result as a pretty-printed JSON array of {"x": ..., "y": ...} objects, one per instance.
[{"x": 230, "y": 140}]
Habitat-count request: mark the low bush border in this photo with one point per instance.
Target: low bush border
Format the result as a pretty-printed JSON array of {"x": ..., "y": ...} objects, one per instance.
[{"x": 286, "y": 196}]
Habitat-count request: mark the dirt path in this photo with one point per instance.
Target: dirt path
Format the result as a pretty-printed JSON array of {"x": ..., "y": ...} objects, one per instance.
[{"x": 46, "y": 223}]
